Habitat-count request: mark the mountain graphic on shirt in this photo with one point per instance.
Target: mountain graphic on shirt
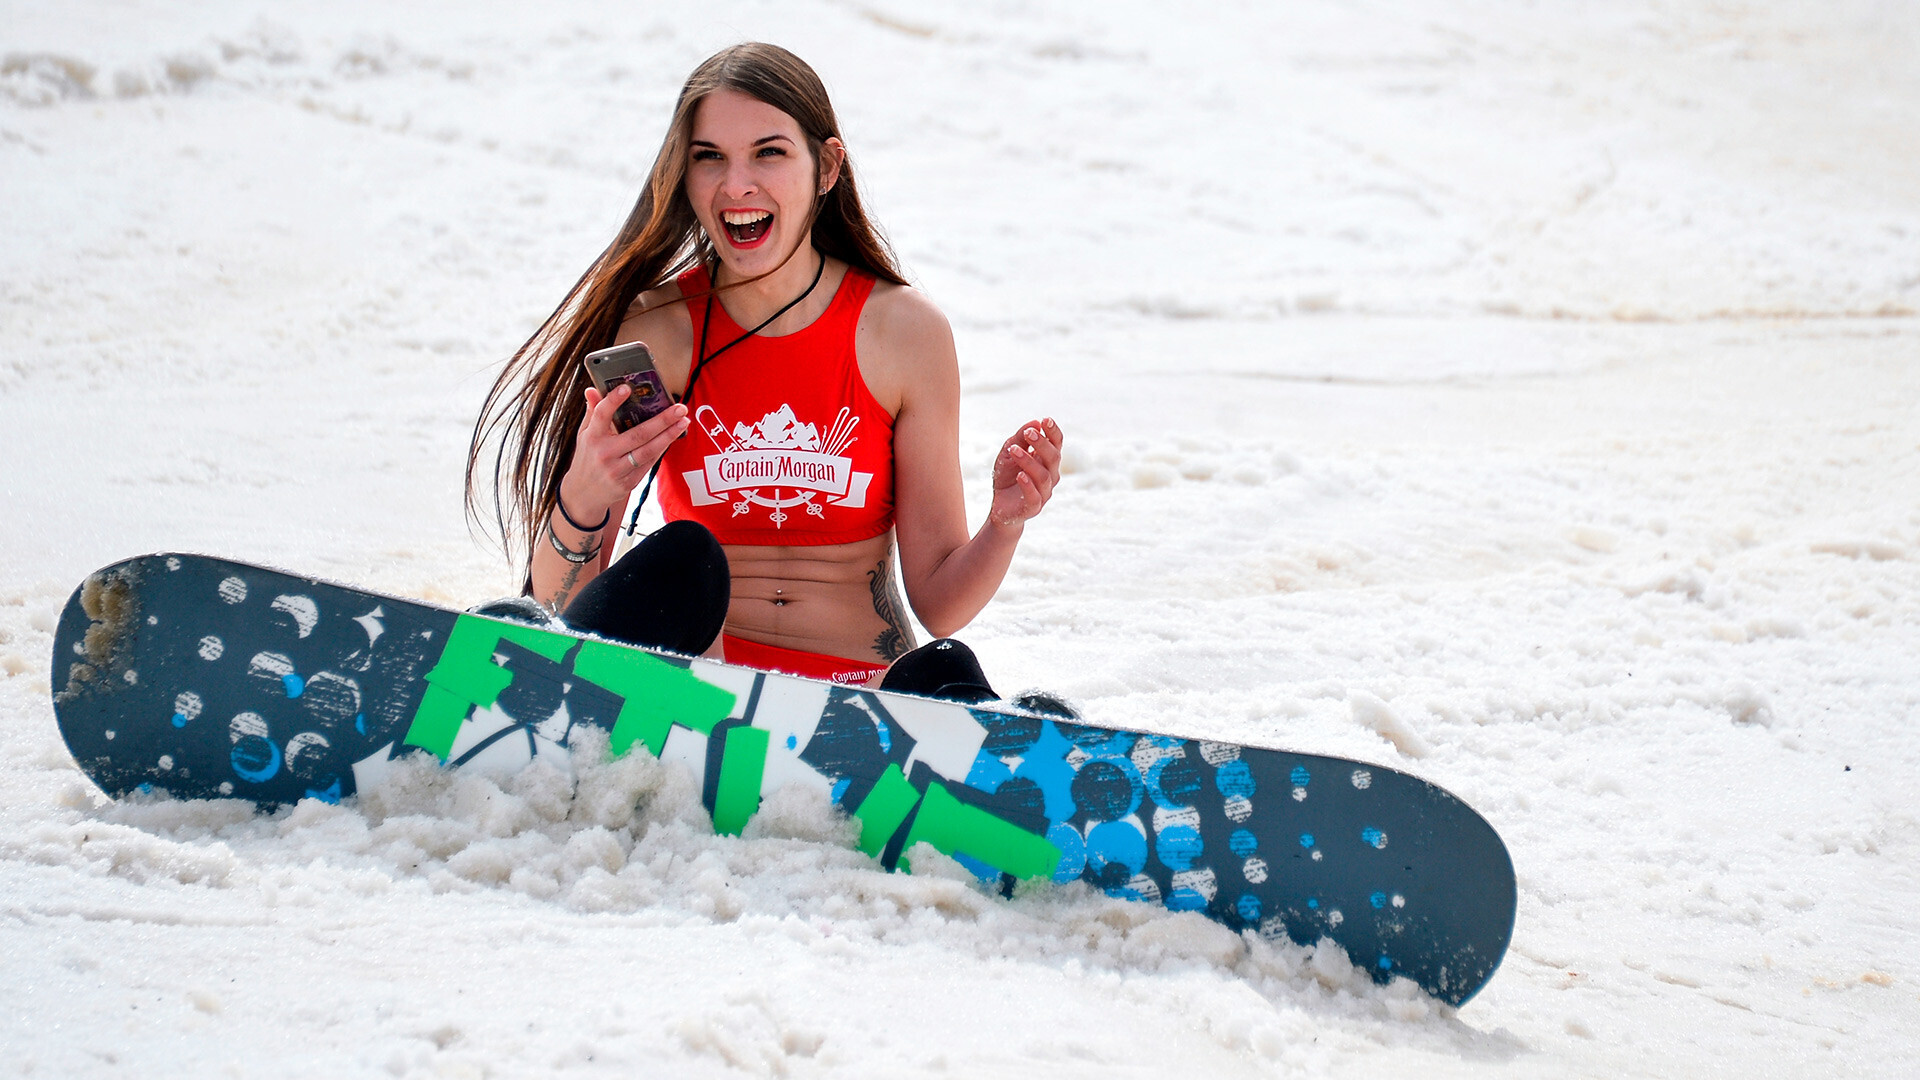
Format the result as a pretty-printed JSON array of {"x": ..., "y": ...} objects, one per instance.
[{"x": 778, "y": 430}]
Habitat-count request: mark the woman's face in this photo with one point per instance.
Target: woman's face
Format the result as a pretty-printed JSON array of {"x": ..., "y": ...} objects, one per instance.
[{"x": 751, "y": 180}]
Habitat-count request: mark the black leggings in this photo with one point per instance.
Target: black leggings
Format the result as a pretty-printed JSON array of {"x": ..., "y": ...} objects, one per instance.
[{"x": 671, "y": 591}]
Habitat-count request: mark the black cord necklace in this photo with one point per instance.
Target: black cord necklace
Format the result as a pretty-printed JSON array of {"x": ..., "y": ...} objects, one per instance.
[{"x": 703, "y": 358}]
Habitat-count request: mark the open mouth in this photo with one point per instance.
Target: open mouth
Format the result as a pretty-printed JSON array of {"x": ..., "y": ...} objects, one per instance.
[{"x": 747, "y": 227}]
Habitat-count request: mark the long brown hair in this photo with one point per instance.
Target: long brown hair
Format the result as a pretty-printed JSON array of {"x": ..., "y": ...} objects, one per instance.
[{"x": 536, "y": 406}]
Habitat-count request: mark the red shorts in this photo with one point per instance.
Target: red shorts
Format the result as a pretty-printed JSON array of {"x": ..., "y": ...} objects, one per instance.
[{"x": 834, "y": 669}]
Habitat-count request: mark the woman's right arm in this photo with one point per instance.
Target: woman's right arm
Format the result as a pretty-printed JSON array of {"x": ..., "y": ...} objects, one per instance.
[{"x": 607, "y": 465}]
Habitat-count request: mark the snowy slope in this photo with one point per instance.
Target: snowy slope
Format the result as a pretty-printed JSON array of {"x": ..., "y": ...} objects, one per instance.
[{"x": 1524, "y": 396}]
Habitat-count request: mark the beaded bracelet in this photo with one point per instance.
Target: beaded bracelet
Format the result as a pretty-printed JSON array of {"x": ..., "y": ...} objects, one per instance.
[{"x": 567, "y": 553}]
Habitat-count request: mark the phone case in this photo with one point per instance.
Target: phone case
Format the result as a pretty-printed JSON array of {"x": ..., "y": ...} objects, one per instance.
[{"x": 631, "y": 364}]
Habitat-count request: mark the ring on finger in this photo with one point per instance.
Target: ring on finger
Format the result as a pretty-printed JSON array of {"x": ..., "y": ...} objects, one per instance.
[{"x": 630, "y": 462}]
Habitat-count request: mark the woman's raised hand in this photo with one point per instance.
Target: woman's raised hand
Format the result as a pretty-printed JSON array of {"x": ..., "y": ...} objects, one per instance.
[
  {"x": 608, "y": 463},
  {"x": 1025, "y": 472}
]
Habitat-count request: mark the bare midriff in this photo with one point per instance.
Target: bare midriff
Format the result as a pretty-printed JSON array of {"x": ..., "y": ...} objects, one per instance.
[{"x": 834, "y": 599}]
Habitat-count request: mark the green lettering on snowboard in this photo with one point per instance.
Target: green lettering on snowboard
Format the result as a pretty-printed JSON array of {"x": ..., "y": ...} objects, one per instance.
[
  {"x": 655, "y": 694},
  {"x": 466, "y": 676},
  {"x": 952, "y": 826},
  {"x": 743, "y": 761},
  {"x": 884, "y": 808}
]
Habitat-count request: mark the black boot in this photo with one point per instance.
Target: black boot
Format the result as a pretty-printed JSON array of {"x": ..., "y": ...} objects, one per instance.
[
  {"x": 520, "y": 609},
  {"x": 942, "y": 668},
  {"x": 1046, "y": 704}
]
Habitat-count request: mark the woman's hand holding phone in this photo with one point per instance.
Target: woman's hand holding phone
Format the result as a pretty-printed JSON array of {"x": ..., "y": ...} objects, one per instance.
[{"x": 609, "y": 463}]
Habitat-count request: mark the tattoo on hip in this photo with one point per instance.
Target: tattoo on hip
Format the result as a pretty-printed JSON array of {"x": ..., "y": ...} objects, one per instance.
[{"x": 897, "y": 639}]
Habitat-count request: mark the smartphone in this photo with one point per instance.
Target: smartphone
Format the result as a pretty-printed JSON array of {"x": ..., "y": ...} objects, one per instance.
[{"x": 632, "y": 364}]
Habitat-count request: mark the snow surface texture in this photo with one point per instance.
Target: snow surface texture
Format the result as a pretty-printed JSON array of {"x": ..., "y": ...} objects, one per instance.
[{"x": 1524, "y": 396}]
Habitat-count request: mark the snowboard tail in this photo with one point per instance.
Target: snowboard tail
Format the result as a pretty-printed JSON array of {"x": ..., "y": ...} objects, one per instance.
[{"x": 209, "y": 678}]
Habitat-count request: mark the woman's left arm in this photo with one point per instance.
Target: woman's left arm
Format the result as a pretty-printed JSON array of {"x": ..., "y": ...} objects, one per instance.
[{"x": 949, "y": 576}]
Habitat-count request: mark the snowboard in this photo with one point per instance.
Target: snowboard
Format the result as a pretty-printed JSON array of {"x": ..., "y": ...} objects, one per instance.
[{"x": 207, "y": 678}]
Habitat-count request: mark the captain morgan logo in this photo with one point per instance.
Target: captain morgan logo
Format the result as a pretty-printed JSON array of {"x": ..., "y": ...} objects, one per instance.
[{"x": 778, "y": 464}]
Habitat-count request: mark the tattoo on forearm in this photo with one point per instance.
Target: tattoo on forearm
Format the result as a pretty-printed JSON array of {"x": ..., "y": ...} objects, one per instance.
[
  {"x": 897, "y": 639},
  {"x": 566, "y": 588},
  {"x": 574, "y": 569}
]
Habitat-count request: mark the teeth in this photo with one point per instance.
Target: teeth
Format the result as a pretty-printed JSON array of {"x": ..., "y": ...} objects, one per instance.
[{"x": 744, "y": 217}]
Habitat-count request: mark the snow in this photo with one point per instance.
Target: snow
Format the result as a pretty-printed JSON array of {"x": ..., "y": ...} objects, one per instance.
[{"x": 1522, "y": 396}]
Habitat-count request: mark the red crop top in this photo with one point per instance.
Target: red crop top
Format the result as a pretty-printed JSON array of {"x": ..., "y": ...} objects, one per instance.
[{"x": 788, "y": 446}]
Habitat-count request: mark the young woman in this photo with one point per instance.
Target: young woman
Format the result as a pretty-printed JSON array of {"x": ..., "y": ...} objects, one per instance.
[{"x": 816, "y": 427}]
